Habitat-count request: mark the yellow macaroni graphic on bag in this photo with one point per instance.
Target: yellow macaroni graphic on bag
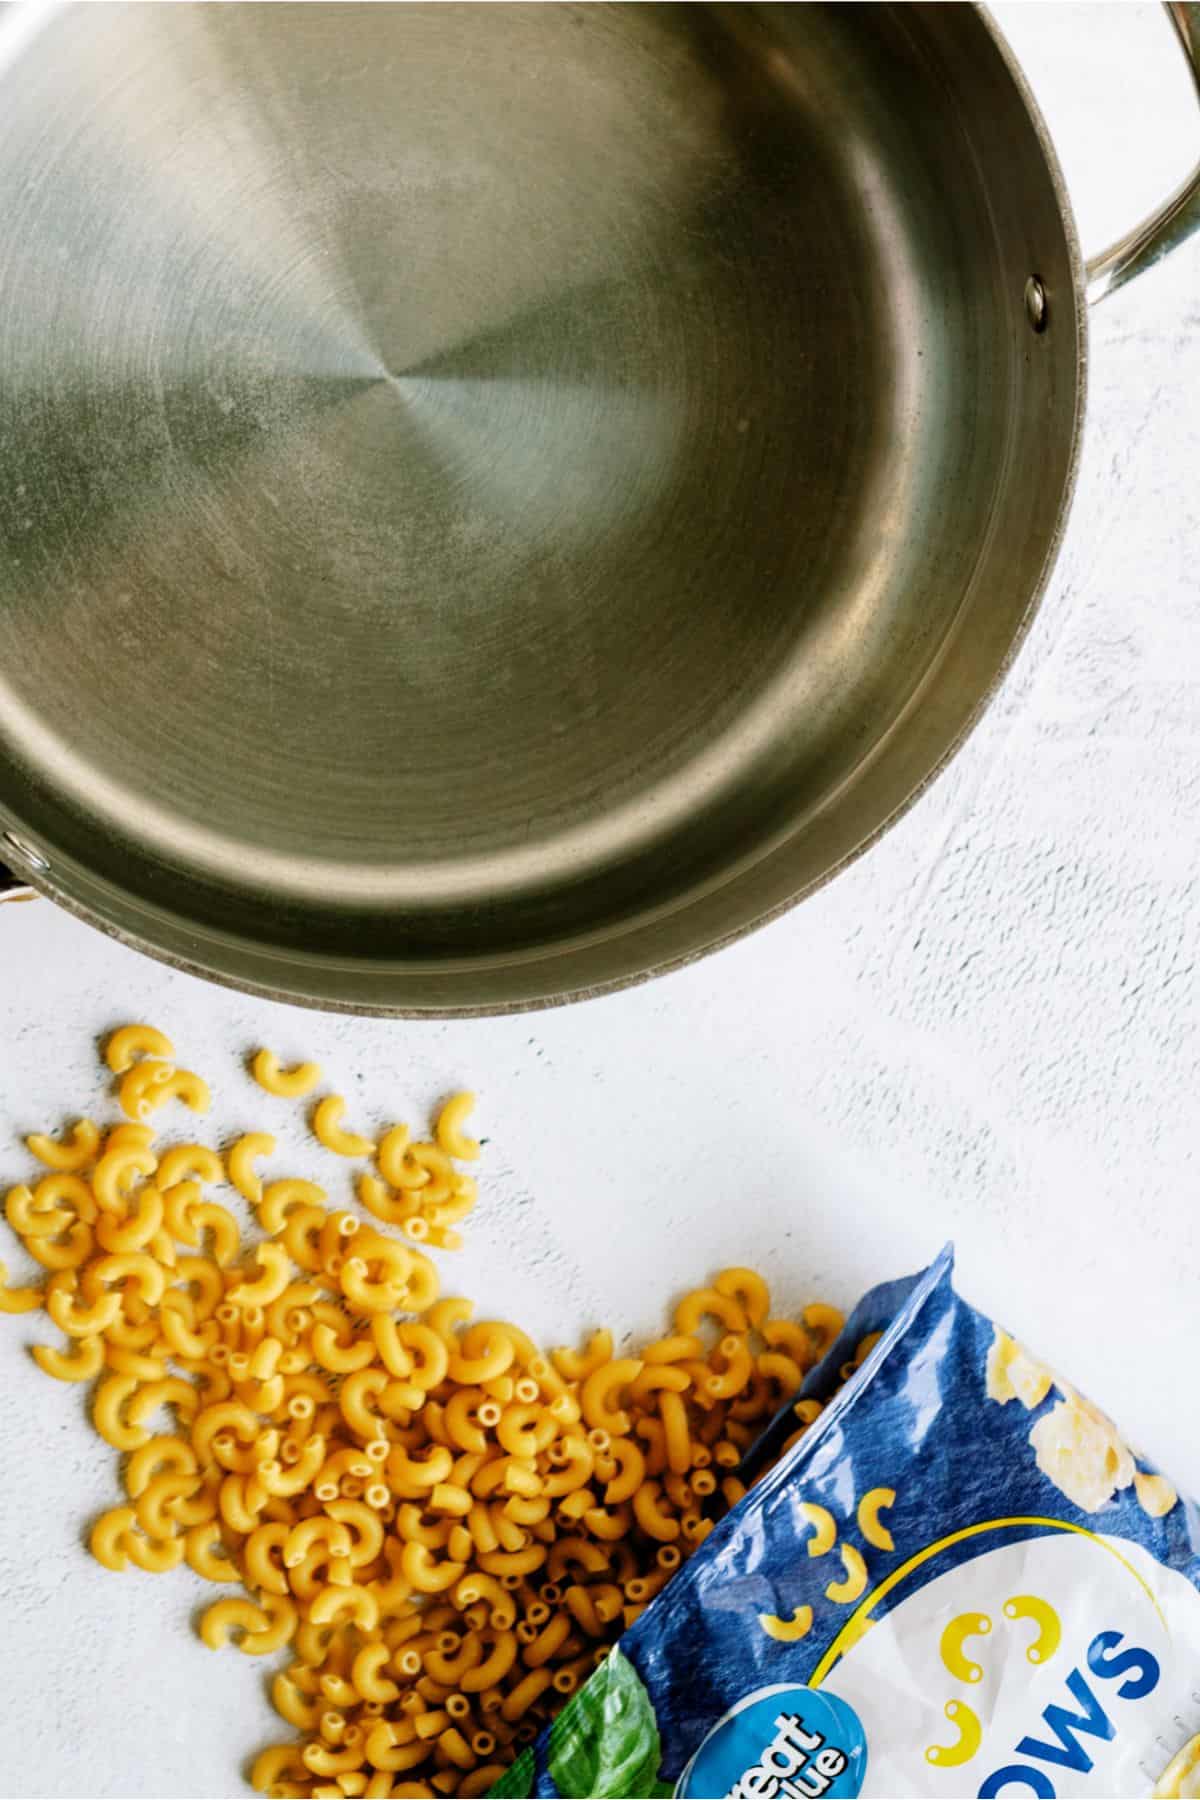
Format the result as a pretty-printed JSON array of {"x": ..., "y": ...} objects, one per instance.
[{"x": 960, "y": 1581}]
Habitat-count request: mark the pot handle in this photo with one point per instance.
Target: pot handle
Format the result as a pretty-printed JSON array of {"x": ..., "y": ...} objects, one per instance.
[{"x": 1177, "y": 218}]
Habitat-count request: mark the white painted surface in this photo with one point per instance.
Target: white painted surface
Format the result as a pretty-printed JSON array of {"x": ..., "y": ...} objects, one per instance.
[{"x": 987, "y": 1030}]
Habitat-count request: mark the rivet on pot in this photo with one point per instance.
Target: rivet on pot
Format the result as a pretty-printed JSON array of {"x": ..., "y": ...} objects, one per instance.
[
  {"x": 1035, "y": 303},
  {"x": 25, "y": 853}
]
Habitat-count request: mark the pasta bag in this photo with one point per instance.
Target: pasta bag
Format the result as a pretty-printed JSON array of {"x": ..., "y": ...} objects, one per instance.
[{"x": 961, "y": 1580}]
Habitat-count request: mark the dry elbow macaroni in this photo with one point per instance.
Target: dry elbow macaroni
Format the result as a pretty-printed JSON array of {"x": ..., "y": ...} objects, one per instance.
[
  {"x": 1016, "y": 1612},
  {"x": 286, "y": 1084},
  {"x": 446, "y": 1526}
]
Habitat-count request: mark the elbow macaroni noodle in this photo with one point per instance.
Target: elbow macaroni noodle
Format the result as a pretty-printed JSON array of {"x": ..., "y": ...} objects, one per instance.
[
  {"x": 327, "y": 1129},
  {"x": 285, "y": 1084},
  {"x": 446, "y": 1525}
]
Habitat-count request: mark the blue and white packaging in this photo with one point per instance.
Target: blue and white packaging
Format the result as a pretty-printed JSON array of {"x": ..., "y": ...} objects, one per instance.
[{"x": 959, "y": 1581}]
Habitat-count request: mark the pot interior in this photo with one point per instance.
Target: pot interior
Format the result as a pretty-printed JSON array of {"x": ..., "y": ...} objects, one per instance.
[{"x": 495, "y": 500}]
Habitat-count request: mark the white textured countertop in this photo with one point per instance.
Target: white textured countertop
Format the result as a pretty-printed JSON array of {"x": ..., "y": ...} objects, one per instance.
[{"x": 987, "y": 1030}]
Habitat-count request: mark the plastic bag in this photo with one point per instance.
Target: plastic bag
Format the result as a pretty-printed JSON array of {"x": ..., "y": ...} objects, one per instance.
[{"x": 960, "y": 1581}]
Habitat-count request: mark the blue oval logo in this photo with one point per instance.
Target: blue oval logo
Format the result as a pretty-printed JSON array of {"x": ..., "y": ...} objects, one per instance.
[{"x": 781, "y": 1743}]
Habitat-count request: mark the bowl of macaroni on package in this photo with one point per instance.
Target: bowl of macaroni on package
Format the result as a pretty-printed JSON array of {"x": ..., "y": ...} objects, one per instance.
[{"x": 958, "y": 1580}]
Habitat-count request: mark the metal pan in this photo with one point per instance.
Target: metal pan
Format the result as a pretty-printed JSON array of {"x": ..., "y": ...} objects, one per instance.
[{"x": 496, "y": 501}]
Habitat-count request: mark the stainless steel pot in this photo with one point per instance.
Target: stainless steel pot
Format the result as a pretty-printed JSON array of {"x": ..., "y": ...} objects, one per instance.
[{"x": 497, "y": 501}]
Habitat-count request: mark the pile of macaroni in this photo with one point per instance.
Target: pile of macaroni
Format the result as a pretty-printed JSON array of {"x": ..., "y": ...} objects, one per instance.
[{"x": 447, "y": 1526}]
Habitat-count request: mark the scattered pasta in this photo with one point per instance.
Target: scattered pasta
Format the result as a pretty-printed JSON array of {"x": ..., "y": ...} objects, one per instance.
[
  {"x": 240, "y": 1160},
  {"x": 446, "y": 1525},
  {"x": 327, "y": 1129},
  {"x": 130, "y": 1042},
  {"x": 449, "y": 1129},
  {"x": 286, "y": 1084},
  {"x": 76, "y": 1152}
]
